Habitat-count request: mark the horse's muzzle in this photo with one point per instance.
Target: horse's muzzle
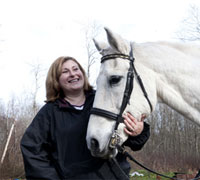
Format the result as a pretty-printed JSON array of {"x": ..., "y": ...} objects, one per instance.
[{"x": 106, "y": 153}]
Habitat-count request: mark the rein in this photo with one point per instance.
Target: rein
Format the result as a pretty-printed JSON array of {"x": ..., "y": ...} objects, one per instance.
[
  {"x": 123, "y": 151},
  {"x": 115, "y": 138}
]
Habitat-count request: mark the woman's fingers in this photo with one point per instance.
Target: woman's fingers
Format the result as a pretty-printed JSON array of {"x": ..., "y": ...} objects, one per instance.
[{"x": 133, "y": 126}]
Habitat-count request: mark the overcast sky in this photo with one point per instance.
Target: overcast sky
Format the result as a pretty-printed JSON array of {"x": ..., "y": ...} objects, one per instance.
[{"x": 42, "y": 30}]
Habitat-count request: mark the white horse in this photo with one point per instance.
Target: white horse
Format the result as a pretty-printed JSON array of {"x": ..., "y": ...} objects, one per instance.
[{"x": 170, "y": 73}]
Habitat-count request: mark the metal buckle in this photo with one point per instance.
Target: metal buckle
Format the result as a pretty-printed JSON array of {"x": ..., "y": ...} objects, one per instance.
[{"x": 114, "y": 140}]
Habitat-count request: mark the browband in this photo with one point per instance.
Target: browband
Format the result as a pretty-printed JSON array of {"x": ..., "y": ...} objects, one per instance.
[{"x": 114, "y": 56}]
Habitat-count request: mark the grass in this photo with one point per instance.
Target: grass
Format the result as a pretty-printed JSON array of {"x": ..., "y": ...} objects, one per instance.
[{"x": 149, "y": 176}]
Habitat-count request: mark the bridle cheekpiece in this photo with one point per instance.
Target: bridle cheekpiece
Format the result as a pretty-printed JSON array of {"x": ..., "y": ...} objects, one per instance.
[{"x": 115, "y": 138}]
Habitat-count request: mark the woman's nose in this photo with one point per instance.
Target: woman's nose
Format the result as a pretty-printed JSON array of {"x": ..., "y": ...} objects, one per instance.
[{"x": 71, "y": 73}]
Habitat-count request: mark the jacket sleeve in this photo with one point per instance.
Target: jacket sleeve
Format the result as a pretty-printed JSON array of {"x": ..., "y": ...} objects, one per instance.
[
  {"x": 35, "y": 149},
  {"x": 137, "y": 142}
]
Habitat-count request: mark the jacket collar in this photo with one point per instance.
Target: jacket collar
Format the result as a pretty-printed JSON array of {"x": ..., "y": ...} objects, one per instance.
[{"x": 62, "y": 103}]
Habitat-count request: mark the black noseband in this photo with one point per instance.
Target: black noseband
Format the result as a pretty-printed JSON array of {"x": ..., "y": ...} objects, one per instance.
[
  {"x": 107, "y": 114},
  {"x": 128, "y": 89}
]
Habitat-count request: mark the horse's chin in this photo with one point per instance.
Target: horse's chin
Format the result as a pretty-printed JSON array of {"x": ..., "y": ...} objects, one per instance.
[{"x": 105, "y": 154}]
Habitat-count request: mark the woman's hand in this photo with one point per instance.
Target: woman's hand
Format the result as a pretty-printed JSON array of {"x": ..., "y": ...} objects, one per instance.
[{"x": 133, "y": 126}]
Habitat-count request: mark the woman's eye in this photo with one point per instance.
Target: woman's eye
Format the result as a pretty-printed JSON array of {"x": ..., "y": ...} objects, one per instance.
[
  {"x": 114, "y": 80},
  {"x": 65, "y": 71},
  {"x": 75, "y": 69}
]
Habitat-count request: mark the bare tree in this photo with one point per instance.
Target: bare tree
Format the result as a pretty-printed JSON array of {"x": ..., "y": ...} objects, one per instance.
[
  {"x": 173, "y": 144},
  {"x": 13, "y": 122},
  {"x": 37, "y": 71},
  {"x": 190, "y": 26},
  {"x": 91, "y": 32}
]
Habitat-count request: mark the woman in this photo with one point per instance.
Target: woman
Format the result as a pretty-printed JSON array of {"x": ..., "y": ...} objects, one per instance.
[{"x": 54, "y": 145}]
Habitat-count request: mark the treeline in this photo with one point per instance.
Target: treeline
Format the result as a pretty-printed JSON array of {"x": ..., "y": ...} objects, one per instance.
[
  {"x": 18, "y": 112},
  {"x": 174, "y": 144}
]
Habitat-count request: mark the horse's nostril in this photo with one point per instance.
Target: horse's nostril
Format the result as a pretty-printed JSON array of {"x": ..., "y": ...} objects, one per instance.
[{"x": 94, "y": 144}]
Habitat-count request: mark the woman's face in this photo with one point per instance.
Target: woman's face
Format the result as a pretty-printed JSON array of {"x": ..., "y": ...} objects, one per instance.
[{"x": 71, "y": 79}]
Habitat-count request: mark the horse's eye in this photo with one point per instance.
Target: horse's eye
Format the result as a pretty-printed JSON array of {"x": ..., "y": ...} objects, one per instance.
[{"x": 114, "y": 80}]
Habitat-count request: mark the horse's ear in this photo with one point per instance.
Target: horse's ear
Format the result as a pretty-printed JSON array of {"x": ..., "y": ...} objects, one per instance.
[
  {"x": 116, "y": 42},
  {"x": 100, "y": 45}
]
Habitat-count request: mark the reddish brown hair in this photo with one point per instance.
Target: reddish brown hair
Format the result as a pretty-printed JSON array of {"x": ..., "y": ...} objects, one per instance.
[{"x": 53, "y": 89}]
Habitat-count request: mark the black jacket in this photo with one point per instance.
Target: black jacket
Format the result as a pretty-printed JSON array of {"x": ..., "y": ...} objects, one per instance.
[{"x": 54, "y": 145}]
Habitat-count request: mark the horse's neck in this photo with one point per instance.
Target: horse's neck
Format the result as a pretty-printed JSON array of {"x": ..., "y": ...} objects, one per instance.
[{"x": 177, "y": 78}]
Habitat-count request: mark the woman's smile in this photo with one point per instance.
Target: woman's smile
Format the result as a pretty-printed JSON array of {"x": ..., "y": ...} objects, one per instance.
[{"x": 71, "y": 78}]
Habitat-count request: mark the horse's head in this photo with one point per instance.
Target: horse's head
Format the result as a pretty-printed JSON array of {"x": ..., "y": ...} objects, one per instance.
[{"x": 112, "y": 84}]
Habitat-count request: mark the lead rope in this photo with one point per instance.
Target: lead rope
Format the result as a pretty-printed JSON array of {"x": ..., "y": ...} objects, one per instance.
[{"x": 123, "y": 151}]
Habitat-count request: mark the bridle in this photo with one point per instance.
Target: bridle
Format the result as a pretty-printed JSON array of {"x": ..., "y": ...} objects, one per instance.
[
  {"x": 127, "y": 93},
  {"x": 115, "y": 138}
]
